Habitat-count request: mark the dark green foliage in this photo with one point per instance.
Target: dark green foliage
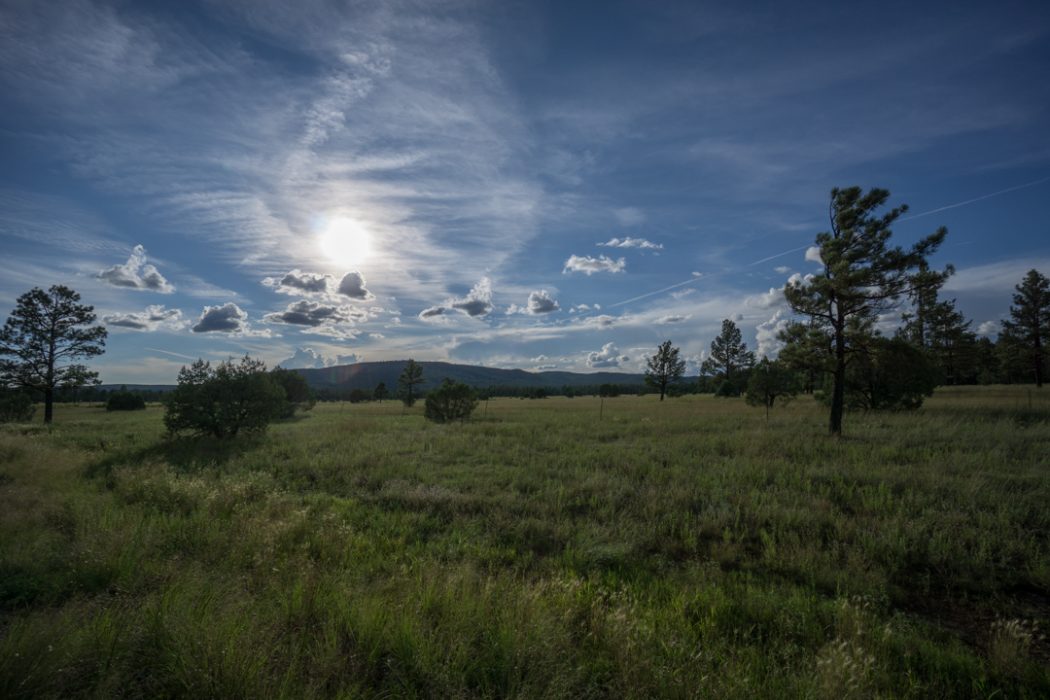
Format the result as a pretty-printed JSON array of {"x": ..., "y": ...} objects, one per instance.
[
  {"x": 729, "y": 361},
  {"x": 298, "y": 396},
  {"x": 16, "y": 406},
  {"x": 225, "y": 400},
  {"x": 450, "y": 401},
  {"x": 45, "y": 331},
  {"x": 608, "y": 390},
  {"x": 892, "y": 375},
  {"x": 664, "y": 368},
  {"x": 1028, "y": 329},
  {"x": 411, "y": 377},
  {"x": 380, "y": 392},
  {"x": 125, "y": 401},
  {"x": 862, "y": 278},
  {"x": 769, "y": 381}
]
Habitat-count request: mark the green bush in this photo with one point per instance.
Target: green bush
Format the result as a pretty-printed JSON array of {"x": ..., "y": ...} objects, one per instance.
[
  {"x": 298, "y": 396},
  {"x": 16, "y": 406},
  {"x": 224, "y": 400},
  {"x": 451, "y": 401},
  {"x": 125, "y": 401}
]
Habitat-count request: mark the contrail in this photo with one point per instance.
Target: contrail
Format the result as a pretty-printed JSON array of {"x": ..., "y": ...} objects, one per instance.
[
  {"x": 1033, "y": 183},
  {"x": 173, "y": 354},
  {"x": 658, "y": 291},
  {"x": 779, "y": 255}
]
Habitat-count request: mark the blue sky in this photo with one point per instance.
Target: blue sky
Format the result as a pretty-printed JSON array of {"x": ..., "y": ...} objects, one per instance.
[{"x": 536, "y": 185}]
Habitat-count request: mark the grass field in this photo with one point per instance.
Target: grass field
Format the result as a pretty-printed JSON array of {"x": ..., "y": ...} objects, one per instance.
[{"x": 690, "y": 548}]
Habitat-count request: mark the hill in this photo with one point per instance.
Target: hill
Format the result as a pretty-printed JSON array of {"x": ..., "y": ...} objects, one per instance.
[{"x": 366, "y": 375}]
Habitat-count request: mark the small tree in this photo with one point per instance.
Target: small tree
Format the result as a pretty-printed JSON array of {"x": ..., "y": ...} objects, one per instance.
[
  {"x": 45, "y": 330},
  {"x": 769, "y": 381},
  {"x": 298, "y": 396},
  {"x": 76, "y": 377},
  {"x": 380, "y": 392},
  {"x": 411, "y": 376},
  {"x": 224, "y": 400},
  {"x": 664, "y": 368},
  {"x": 451, "y": 401},
  {"x": 891, "y": 375},
  {"x": 728, "y": 360},
  {"x": 1029, "y": 326},
  {"x": 862, "y": 278}
]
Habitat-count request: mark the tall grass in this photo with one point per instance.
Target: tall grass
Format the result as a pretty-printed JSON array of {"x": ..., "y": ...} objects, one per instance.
[{"x": 677, "y": 549}]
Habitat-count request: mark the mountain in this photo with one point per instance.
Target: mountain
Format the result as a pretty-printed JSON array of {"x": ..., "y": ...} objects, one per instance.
[{"x": 366, "y": 375}]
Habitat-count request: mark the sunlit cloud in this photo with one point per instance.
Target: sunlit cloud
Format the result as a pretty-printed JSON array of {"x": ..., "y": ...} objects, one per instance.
[
  {"x": 136, "y": 273},
  {"x": 589, "y": 265}
]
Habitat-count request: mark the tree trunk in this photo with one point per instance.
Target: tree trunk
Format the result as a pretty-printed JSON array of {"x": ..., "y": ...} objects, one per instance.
[
  {"x": 49, "y": 404},
  {"x": 1038, "y": 362},
  {"x": 838, "y": 395},
  {"x": 663, "y": 388}
]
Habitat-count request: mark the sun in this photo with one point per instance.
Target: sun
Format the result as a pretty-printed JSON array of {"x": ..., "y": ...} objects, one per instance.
[{"x": 345, "y": 242}]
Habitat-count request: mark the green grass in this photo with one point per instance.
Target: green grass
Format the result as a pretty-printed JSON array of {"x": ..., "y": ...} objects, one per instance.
[{"x": 689, "y": 548}]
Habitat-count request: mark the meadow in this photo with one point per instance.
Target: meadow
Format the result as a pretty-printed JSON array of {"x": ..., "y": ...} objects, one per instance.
[{"x": 689, "y": 548}]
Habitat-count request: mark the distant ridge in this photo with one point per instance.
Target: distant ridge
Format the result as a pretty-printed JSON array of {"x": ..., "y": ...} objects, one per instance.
[{"x": 366, "y": 375}]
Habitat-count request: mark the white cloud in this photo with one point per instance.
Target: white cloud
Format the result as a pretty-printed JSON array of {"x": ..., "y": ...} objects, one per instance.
[
  {"x": 306, "y": 312},
  {"x": 541, "y": 302},
  {"x": 153, "y": 318},
  {"x": 673, "y": 318},
  {"x": 682, "y": 293},
  {"x": 766, "y": 334},
  {"x": 588, "y": 265},
  {"x": 813, "y": 255},
  {"x": 477, "y": 302},
  {"x": 299, "y": 282},
  {"x": 774, "y": 297},
  {"x": 608, "y": 356},
  {"x": 629, "y": 216},
  {"x": 998, "y": 278},
  {"x": 629, "y": 242},
  {"x": 308, "y": 358},
  {"x": 136, "y": 273},
  {"x": 782, "y": 269},
  {"x": 989, "y": 328}
]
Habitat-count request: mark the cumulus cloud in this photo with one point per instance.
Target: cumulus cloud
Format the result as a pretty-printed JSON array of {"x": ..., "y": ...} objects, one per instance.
[
  {"x": 153, "y": 318},
  {"x": 766, "y": 335},
  {"x": 136, "y": 273},
  {"x": 353, "y": 286},
  {"x": 782, "y": 269},
  {"x": 988, "y": 329},
  {"x": 228, "y": 318},
  {"x": 673, "y": 318},
  {"x": 299, "y": 282},
  {"x": 540, "y": 302},
  {"x": 433, "y": 312},
  {"x": 313, "y": 313},
  {"x": 583, "y": 308},
  {"x": 629, "y": 242},
  {"x": 308, "y": 358},
  {"x": 813, "y": 255},
  {"x": 478, "y": 301},
  {"x": 629, "y": 216},
  {"x": 774, "y": 297},
  {"x": 588, "y": 265},
  {"x": 608, "y": 356}
]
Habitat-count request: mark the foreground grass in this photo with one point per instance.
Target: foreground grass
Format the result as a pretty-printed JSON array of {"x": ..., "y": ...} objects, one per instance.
[{"x": 689, "y": 548}]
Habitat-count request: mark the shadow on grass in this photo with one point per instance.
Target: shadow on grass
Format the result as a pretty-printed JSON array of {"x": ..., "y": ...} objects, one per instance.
[{"x": 186, "y": 454}]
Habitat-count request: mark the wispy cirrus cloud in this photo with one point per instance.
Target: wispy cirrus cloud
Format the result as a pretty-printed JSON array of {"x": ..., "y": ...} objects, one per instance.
[{"x": 628, "y": 242}]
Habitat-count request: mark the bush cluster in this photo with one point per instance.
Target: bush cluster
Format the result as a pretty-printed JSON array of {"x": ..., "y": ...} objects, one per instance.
[
  {"x": 16, "y": 406},
  {"x": 450, "y": 401},
  {"x": 125, "y": 401}
]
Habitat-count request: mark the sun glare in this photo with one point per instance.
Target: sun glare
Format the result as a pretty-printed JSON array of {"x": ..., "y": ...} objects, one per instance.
[{"x": 346, "y": 242}]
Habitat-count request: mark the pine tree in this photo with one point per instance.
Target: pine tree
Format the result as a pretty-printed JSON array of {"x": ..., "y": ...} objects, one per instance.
[
  {"x": 862, "y": 278},
  {"x": 729, "y": 357},
  {"x": 410, "y": 377},
  {"x": 44, "y": 331},
  {"x": 1029, "y": 324},
  {"x": 664, "y": 368}
]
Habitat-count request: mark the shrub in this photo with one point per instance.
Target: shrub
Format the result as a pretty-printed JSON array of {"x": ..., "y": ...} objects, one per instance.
[
  {"x": 16, "y": 406},
  {"x": 298, "y": 396},
  {"x": 451, "y": 401},
  {"x": 125, "y": 401},
  {"x": 224, "y": 400}
]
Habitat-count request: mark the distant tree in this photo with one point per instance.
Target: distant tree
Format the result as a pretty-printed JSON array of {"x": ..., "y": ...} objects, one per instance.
[
  {"x": 380, "y": 392},
  {"x": 608, "y": 390},
  {"x": 411, "y": 376},
  {"x": 728, "y": 359},
  {"x": 862, "y": 278},
  {"x": 225, "y": 400},
  {"x": 298, "y": 396},
  {"x": 451, "y": 401},
  {"x": 125, "y": 400},
  {"x": 45, "y": 330},
  {"x": 771, "y": 380},
  {"x": 950, "y": 341},
  {"x": 16, "y": 406},
  {"x": 77, "y": 377},
  {"x": 807, "y": 352},
  {"x": 359, "y": 395},
  {"x": 664, "y": 368},
  {"x": 924, "y": 285},
  {"x": 1028, "y": 328}
]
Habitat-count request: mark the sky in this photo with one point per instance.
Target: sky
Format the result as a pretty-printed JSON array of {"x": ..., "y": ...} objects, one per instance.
[{"x": 541, "y": 185}]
